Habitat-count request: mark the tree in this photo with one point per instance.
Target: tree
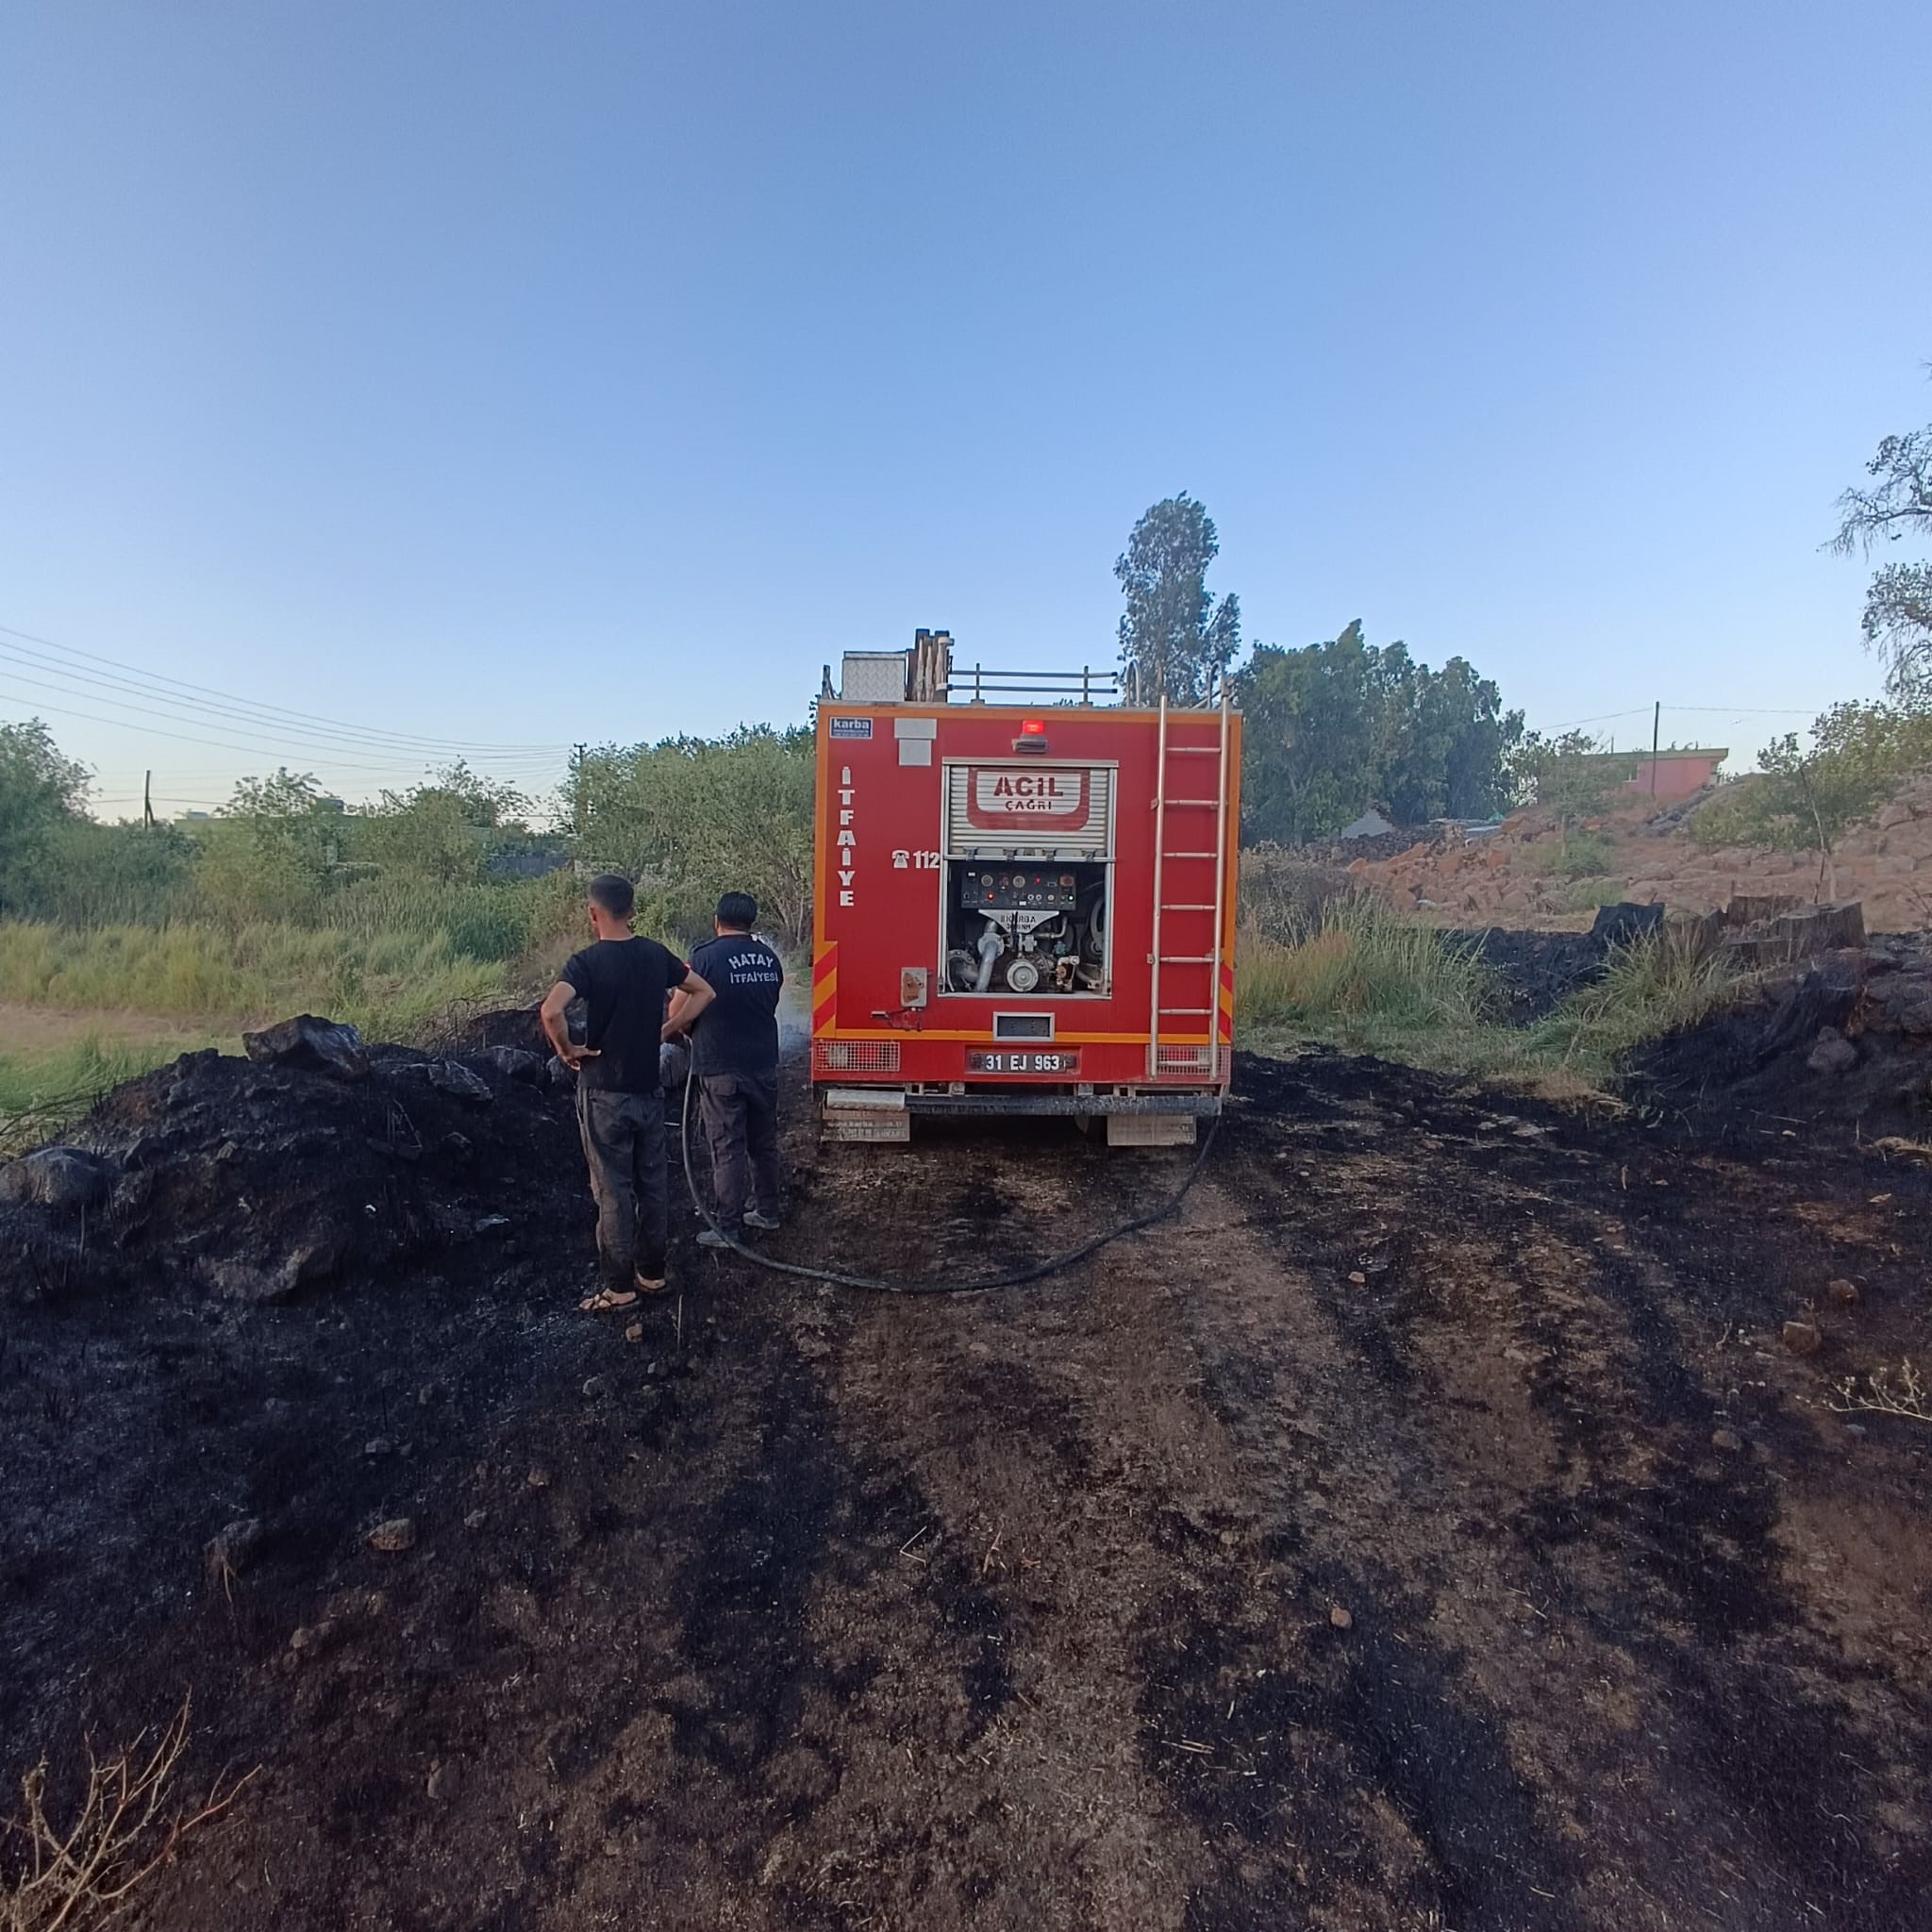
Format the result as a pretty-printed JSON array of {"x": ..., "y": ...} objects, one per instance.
[
  {"x": 38, "y": 791},
  {"x": 1175, "y": 639},
  {"x": 1310, "y": 758},
  {"x": 273, "y": 847},
  {"x": 443, "y": 830},
  {"x": 690, "y": 818},
  {"x": 1336, "y": 727},
  {"x": 1576, "y": 776},
  {"x": 1806, "y": 801},
  {"x": 1575, "y": 773},
  {"x": 1898, "y": 603},
  {"x": 1453, "y": 740}
]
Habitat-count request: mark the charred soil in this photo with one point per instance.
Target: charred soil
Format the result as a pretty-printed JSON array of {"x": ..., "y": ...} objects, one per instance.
[{"x": 1424, "y": 1528}]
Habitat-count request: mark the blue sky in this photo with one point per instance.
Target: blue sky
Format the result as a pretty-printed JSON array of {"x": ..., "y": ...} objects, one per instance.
[{"x": 508, "y": 375}]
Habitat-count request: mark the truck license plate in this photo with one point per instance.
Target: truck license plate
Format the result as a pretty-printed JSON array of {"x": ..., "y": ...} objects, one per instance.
[{"x": 1065, "y": 1066}]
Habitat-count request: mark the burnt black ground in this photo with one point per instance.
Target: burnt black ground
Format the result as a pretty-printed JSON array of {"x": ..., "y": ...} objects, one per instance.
[{"x": 1018, "y": 1610}]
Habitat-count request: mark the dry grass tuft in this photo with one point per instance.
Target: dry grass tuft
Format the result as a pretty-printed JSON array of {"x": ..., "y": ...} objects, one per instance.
[
  {"x": 1560, "y": 1086},
  {"x": 1896, "y": 1147}
]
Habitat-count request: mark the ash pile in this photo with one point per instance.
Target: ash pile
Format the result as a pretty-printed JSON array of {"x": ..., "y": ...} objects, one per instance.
[{"x": 315, "y": 1161}]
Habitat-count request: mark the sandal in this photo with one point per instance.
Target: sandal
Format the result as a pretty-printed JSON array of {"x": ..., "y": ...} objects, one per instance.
[
  {"x": 640, "y": 1286},
  {"x": 608, "y": 1300}
]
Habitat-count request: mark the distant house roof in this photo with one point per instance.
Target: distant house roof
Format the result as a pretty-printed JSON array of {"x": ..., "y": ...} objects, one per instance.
[{"x": 1372, "y": 824}]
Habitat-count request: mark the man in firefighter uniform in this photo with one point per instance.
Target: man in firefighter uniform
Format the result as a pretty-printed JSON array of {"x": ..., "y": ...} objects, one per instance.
[{"x": 734, "y": 1059}]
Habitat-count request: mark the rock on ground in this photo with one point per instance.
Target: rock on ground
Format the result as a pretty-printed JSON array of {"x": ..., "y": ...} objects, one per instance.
[
  {"x": 313, "y": 1046},
  {"x": 57, "y": 1178}
]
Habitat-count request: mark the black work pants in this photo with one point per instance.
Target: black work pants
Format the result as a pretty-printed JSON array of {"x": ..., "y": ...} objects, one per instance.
[
  {"x": 623, "y": 1147},
  {"x": 740, "y": 1113}
]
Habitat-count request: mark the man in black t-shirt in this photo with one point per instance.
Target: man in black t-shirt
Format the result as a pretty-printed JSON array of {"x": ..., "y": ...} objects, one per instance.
[
  {"x": 735, "y": 1057},
  {"x": 624, "y": 980}
]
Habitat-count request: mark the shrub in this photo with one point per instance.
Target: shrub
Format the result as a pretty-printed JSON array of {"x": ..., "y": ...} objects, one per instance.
[
  {"x": 125, "y": 1824},
  {"x": 1283, "y": 896},
  {"x": 1582, "y": 854},
  {"x": 1365, "y": 978},
  {"x": 387, "y": 983},
  {"x": 83, "y": 873},
  {"x": 1586, "y": 896}
]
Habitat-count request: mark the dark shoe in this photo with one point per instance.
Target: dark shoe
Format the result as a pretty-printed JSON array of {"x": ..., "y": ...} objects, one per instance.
[
  {"x": 766, "y": 1221},
  {"x": 710, "y": 1238}
]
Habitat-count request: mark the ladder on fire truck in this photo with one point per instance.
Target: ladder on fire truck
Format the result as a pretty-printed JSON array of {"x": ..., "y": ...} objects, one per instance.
[{"x": 1188, "y": 1057}]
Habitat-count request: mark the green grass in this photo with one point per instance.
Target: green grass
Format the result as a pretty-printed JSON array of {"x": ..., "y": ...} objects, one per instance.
[
  {"x": 1367, "y": 980},
  {"x": 390, "y": 984},
  {"x": 213, "y": 985},
  {"x": 40, "y": 1093},
  {"x": 393, "y": 962},
  {"x": 1587, "y": 895},
  {"x": 89, "y": 1064},
  {"x": 1649, "y": 989},
  {"x": 1581, "y": 856}
]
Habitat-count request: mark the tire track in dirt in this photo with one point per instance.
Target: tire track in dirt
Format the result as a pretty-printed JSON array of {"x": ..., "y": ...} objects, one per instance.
[{"x": 1021, "y": 1495}]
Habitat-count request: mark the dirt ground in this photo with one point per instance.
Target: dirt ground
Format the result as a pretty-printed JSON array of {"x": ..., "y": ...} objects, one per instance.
[
  {"x": 32, "y": 1030},
  {"x": 1426, "y": 1528}
]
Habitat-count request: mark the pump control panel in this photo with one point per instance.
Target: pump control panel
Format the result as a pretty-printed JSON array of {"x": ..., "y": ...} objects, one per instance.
[{"x": 1011, "y": 889}]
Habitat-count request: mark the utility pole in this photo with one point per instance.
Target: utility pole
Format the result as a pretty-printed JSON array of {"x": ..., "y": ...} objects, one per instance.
[
  {"x": 147, "y": 799},
  {"x": 577, "y": 787},
  {"x": 1657, "y": 719}
]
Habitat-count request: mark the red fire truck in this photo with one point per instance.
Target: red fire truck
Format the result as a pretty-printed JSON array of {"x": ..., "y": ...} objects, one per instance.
[{"x": 1025, "y": 899}]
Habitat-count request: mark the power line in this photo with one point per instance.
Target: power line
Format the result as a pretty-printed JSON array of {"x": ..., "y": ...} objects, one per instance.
[
  {"x": 281, "y": 746},
  {"x": 394, "y": 767},
  {"x": 1600, "y": 718},
  {"x": 134, "y": 677},
  {"x": 157, "y": 686},
  {"x": 1714, "y": 710},
  {"x": 280, "y": 742}
]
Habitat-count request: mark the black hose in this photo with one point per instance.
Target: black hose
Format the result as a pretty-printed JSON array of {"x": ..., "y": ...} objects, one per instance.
[{"x": 884, "y": 1285}]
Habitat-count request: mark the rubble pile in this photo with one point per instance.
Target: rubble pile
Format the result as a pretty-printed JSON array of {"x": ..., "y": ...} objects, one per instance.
[{"x": 1515, "y": 874}]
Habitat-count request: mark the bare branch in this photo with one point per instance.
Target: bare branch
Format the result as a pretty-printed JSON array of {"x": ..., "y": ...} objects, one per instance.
[
  {"x": 1900, "y": 1392},
  {"x": 1901, "y": 502},
  {"x": 121, "y": 1834}
]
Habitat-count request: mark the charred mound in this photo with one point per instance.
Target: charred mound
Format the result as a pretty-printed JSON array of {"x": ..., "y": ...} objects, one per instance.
[
  {"x": 250, "y": 1182},
  {"x": 1844, "y": 1040},
  {"x": 1535, "y": 972},
  {"x": 258, "y": 1302}
]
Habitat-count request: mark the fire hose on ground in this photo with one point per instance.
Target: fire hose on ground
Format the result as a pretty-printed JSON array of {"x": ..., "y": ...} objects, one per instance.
[{"x": 1015, "y": 1277}]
